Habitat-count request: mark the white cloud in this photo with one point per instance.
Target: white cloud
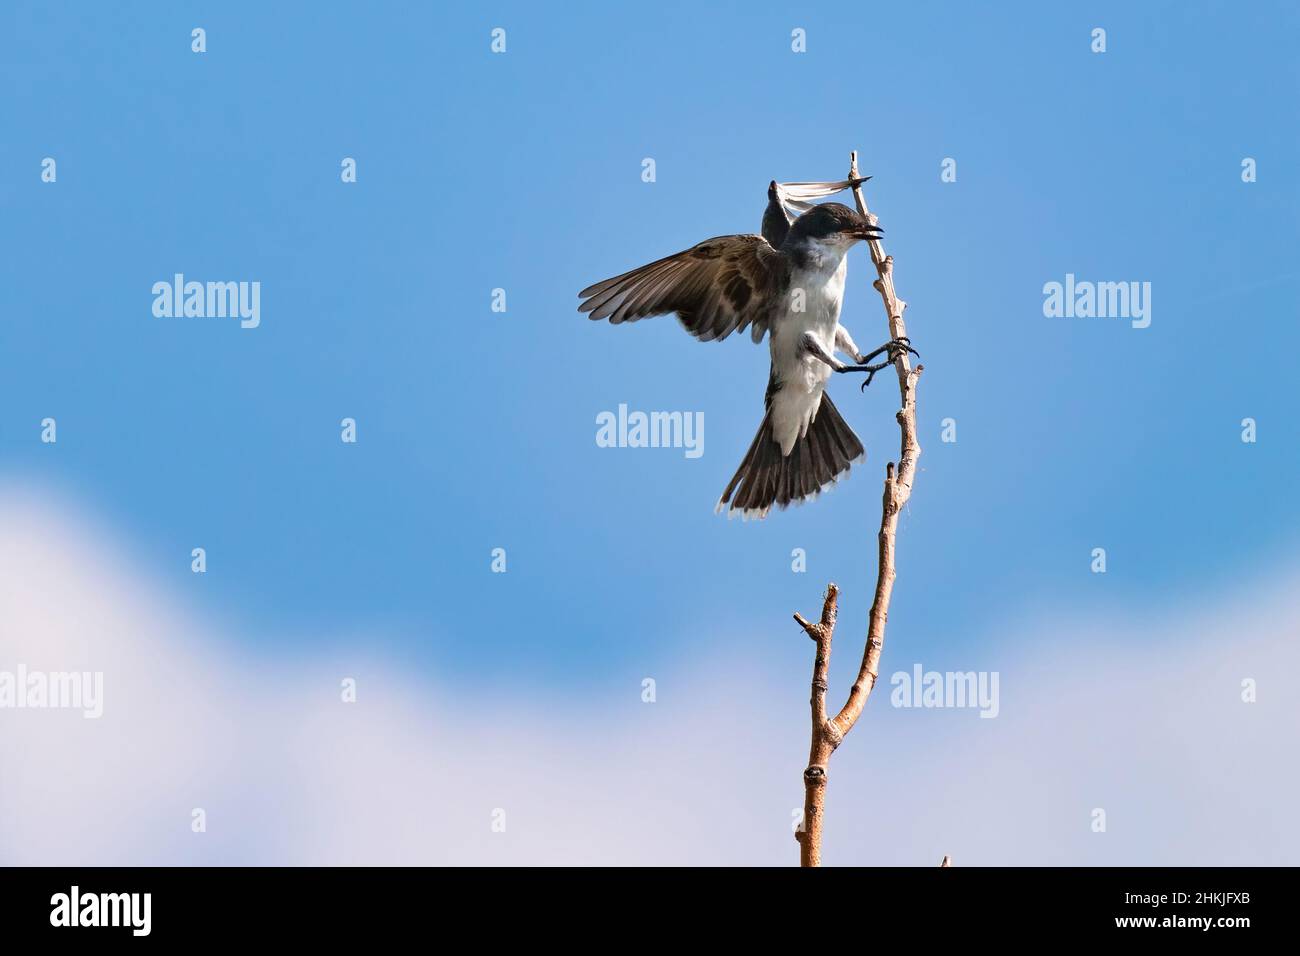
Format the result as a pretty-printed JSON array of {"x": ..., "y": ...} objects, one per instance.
[{"x": 1138, "y": 714}]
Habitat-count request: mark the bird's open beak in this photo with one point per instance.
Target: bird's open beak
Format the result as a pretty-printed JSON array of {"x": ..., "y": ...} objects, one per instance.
[{"x": 867, "y": 232}]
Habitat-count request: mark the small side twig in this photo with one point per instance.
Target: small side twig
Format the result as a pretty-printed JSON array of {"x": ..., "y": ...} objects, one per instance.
[{"x": 825, "y": 736}]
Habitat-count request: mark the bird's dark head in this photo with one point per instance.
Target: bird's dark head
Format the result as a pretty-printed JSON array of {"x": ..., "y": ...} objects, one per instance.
[{"x": 833, "y": 223}]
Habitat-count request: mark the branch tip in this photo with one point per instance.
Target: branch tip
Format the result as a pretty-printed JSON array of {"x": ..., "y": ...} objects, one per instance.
[{"x": 829, "y": 607}]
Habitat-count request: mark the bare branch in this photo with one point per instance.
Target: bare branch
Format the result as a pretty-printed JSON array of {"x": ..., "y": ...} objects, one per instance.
[
  {"x": 809, "y": 834},
  {"x": 828, "y": 734}
]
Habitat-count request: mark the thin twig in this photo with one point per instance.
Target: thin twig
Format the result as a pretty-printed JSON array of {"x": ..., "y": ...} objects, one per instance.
[
  {"x": 814, "y": 777},
  {"x": 828, "y": 734}
]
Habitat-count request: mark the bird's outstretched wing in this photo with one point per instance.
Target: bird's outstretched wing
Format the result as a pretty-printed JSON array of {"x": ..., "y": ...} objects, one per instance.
[
  {"x": 717, "y": 287},
  {"x": 784, "y": 197},
  {"x": 797, "y": 196},
  {"x": 776, "y": 217}
]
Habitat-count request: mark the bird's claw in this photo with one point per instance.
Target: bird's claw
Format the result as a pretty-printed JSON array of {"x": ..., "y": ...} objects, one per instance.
[
  {"x": 895, "y": 349},
  {"x": 870, "y": 375},
  {"x": 871, "y": 370},
  {"x": 904, "y": 345}
]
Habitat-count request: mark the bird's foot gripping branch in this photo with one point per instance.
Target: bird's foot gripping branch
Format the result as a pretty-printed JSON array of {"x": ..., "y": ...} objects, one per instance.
[{"x": 894, "y": 347}]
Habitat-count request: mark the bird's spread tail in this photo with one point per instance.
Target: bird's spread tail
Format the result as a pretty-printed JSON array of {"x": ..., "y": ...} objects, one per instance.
[{"x": 766, "y": 478}]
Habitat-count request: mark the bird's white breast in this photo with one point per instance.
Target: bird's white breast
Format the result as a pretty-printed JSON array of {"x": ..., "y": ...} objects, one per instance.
[{"x": 803, "y": 376}]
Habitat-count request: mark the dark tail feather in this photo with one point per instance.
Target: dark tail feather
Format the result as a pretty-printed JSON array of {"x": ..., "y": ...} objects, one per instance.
[{"x": 765, "y": 478}]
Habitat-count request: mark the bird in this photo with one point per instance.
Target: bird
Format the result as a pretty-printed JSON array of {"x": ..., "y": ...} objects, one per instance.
[{"x": 787, "y": 283}]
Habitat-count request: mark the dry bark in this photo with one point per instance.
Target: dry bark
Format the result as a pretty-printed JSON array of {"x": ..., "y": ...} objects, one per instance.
[{"x": 827, "y": 734}]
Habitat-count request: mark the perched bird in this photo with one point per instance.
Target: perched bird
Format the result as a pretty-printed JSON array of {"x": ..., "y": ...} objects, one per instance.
[{"x": 787, "y": 283}]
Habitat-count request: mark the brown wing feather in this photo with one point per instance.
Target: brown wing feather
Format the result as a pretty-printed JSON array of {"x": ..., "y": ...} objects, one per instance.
[{"x": 720, "y": 286}]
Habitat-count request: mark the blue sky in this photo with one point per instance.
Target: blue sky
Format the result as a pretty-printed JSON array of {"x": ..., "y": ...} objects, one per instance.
[{"x": 523, "y": 171}]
